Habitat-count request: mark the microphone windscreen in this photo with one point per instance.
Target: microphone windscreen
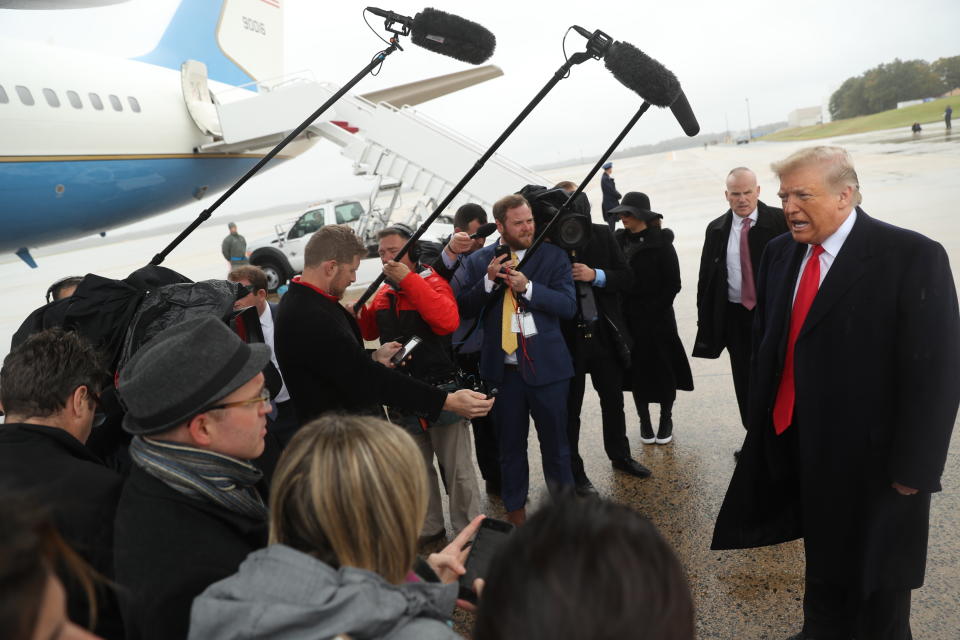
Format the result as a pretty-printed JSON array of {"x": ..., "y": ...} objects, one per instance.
[
  {"x": 684, "y": 115},
  {"x": 484, "y": 230},
  {"x": 642, "y": 74},
  {"x": 452, "y": 36}
]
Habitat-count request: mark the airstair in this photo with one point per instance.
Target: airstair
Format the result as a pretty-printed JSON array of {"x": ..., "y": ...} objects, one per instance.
[{"x": 396, "y": 143}]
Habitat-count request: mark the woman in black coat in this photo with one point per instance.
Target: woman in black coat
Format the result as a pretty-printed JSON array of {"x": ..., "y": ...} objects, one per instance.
[{"x": 660, "y": 364}]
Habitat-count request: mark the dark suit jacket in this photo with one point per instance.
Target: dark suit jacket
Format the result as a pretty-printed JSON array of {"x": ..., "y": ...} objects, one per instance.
[
  {"x": 169, "y": 548},
  {"x": 326, "y": 367},
  {"x": 82, "y": 495},
  {"x": 876, "y": 367},
  {"x": 611, "y": 197},
  {"x": 552, "y": 300},
  {"x": 603, "y": 252},
  {"x": 712, "y": 284}
]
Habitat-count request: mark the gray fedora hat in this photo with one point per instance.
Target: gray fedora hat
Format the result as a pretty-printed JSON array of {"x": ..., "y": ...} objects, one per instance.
[
  {"x": 184, "y": 369},
  {"x": 637, "y": 205}
]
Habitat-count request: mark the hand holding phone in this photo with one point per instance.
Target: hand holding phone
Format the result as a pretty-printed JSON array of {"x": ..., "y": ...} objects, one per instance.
[
  {"x": 490, "y": 537},
  {"x": 408, "y": 347}
]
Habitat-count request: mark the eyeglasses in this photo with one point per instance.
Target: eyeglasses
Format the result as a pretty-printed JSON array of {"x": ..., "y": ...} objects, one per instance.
[{"x": 264, "y": 397}]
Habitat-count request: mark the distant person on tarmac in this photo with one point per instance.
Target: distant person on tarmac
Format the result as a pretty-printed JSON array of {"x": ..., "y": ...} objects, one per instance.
[
  {"x": 611, "y": 197},
  {"x": 947, "y": 114},
  {"x": 234, "y": 248}
]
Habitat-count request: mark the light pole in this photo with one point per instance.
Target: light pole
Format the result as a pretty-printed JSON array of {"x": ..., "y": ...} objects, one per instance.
[{"x": 749, "y": 126}]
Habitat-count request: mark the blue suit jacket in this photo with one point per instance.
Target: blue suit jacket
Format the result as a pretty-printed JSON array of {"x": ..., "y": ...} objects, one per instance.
[{"x": 553, "y": 299}]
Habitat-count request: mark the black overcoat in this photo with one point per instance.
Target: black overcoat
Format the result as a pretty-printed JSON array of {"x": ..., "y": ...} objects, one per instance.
[
  {"x": 659, "y": 362},
  {"x": 712, "y": 284},
  {"x": 877, "y": 364},
  {"x": 603, "y": 252},
  {"x": 57, "y": 470},
  {"x": 169, "y": 547}
]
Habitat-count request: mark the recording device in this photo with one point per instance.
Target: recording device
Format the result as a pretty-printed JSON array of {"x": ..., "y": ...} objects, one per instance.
[
  {"x": 405, "y": 351},
  {"x": 443, "y": 33},
  {"x": 684, "y": 115},
  {"x": 484, "y": 230},
  {"x": 490, "y": 537},
  {"x": 473, "y": 382},
  {"x": 502, "y": 249},
  {"x": 572, "y": 229}
]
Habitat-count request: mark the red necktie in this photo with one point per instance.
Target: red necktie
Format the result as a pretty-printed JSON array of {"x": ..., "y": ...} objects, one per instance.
[
  {"x": 748, "y": 292},
  {"x": 806, "y": 292}
]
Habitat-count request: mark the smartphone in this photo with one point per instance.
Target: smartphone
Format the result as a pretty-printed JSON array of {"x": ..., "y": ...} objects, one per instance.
[
  {"x": 490, "y": 537},
  {"x": 501, "y": 250},
  {"x": 399, "y": 356}
]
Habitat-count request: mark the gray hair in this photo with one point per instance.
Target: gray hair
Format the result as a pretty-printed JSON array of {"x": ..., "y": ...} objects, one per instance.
[{"x": 835, "y": 161}]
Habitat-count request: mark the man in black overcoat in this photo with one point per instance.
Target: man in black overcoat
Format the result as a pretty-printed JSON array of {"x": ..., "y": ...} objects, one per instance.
[
  {"x": 726, "y": 291},
  {"x": 611, "y": 197},
  {"x": 845, "y": 447}
]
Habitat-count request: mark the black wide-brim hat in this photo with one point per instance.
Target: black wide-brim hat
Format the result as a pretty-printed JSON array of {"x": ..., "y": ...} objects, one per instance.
[
  {"x": 635, "y": 204},
  {"x": 184, "y": 369}
]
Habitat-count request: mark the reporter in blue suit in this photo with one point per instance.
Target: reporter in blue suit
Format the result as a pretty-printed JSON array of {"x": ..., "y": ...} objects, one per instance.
[{"x": 523, "y": 353}]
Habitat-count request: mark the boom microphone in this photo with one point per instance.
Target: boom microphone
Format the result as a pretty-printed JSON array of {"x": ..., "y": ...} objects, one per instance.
[
  {"x": 642, "y": 74},
  {"x": 484, "y": 230},
  {"x": 684, "y": 115},
  {"x": 446, "y": 34}
]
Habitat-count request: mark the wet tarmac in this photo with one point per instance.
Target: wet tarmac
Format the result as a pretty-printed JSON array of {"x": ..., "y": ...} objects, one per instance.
[{"x": 753, "y": 594}]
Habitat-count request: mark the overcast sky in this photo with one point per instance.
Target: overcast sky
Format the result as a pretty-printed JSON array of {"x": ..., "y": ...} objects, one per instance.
[{"x": 780, "y": 55}]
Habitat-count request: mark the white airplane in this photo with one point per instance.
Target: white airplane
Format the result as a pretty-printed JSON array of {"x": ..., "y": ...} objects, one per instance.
[{"x": 89, "y": 142}]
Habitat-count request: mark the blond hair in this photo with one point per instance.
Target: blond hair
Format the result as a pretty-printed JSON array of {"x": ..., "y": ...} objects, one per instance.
[
  {"x": 351, "y": 491},
  {"x": 838, "y": 171},
  {"x": 332, "y": 242}
]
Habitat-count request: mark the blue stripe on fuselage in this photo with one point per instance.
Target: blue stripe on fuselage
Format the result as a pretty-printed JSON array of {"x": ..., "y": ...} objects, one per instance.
[{"x": 101, "y": 194}]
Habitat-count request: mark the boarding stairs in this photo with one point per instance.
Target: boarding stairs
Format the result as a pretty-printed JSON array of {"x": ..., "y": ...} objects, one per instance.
[{"x": 401, "y": 144}]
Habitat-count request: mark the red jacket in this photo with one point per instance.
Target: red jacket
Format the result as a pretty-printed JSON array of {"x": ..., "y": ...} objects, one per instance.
[{"x": 424, "y": 293}]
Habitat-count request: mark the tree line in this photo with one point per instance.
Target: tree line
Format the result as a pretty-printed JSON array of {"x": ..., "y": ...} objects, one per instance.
[{"x": 882, "y": 87}]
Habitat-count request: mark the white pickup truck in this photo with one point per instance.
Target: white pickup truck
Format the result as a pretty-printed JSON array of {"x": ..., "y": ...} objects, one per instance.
[{"x": 281, "y": 256}]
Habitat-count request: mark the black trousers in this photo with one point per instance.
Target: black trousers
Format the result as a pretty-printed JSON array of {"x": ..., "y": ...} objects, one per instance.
[
  {"x": 484, "y": 429},
  {"x": 737, "y": 329},
  {"x": 284, "y": 423},
  {"x": 601, "y": 363},
  {"x": 834, "y": 612}
]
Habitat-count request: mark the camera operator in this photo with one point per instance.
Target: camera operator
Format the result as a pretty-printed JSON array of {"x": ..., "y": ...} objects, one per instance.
[
  {"x": 523, "y": 352},
  {"x": 321, "y": 352},
  {"x": 418, "y": 302},
  {"x": 468, "y": 219},
  {"x": 600, "y": 345}
]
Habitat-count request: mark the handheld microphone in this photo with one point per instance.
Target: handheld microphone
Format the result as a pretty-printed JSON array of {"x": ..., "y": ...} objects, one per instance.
[
  {"x": 446, "y": 34},
  {"x": 684, "y": 115},
  {"x": 484, "y": 230},
  {"x": 642, "y": 74}
]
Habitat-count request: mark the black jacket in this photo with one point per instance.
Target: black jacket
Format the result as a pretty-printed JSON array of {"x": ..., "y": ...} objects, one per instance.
[
  {"x": 876, "y": 366},
  {"x": 712, "y": 283},
  {"x": 659, "y": 361},
  {"x": 326, "y": 368},
  {"x": 169, "y": 548},
  {"x": 611, "y": 197},
  {"x": 603, "y": 252},
  {"x": 82, "y": 495}
]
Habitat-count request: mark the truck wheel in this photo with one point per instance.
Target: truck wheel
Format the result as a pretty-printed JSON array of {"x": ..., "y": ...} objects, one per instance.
[{"x": 276, "y": 276}]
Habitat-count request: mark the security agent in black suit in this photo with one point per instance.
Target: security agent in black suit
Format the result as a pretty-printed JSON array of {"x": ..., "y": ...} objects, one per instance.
[
  {"x": 600, "y": 345},
  {"x": 724, "y": 314},
  {"x": 611, "y": 197}
]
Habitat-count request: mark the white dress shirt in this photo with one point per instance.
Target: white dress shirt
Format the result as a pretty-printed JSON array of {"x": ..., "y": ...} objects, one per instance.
[
  {"x": 511, "y": 358},
  {"x": 734, "y": 276}
]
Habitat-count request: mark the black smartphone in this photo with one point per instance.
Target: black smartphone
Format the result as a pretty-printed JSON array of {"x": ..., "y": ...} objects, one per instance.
[
  {"x": 490, "y": 537},
  {"x": 501, "y": 250},
  {"x": 410, "y": 345}
]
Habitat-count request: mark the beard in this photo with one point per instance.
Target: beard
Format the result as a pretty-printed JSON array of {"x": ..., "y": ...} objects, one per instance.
[{"x": 517, "y": 242}]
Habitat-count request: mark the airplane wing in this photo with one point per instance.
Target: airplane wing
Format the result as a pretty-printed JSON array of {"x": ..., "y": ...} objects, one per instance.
[{"x": 414, "y": 93}]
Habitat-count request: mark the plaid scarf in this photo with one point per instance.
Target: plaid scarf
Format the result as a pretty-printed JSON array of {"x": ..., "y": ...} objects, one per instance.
[{"x": 223, "y": 480}]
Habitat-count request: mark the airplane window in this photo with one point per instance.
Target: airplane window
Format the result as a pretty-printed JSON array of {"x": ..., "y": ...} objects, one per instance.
[
  {"x": 3, "y": 95},
  {"x": 95, "y": 101},
  {"x": 25, "y": 96},
  {"x": 51, "y": 97},
  {"x": 74, "y": 99},
  {"x": 115, "y": 102},
  {"x": 134, "y": 104}
]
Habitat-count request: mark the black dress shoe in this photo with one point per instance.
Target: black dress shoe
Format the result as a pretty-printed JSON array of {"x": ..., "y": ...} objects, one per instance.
[
  {"x": 736, "y": 456},
  {"x": 585, "y": 489},
  {"x": 631, "y": 466}
]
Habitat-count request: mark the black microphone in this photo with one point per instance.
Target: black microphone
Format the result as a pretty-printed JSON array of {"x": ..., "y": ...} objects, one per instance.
[
  {"x": 642, "y": 74},
  {"x": 684, "y": 115},
  {"x": 484, "y": 230},
  {"x": 452, "y": 36},
  {"x": 446, "y": 34}
]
